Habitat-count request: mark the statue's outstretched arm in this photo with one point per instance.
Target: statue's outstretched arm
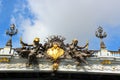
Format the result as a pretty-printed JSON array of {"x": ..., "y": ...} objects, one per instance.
[
  {"x": 22, "y": 43},
  {"x": 42, "y": 47},
  {"x": 79, "y": 47}
]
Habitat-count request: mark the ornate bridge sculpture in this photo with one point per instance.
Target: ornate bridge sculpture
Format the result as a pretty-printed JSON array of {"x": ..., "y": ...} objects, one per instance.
[
  {"x": 7, "y": 52},
  {"x": 56, "y": 55},
  {"x": 11, "y": 32},
  {"x": 54, "y": 52}
]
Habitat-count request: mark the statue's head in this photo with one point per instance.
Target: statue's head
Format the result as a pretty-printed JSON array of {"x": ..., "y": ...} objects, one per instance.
[
  {"x": 75, "y": 41},
  {"x": 36, "y": 40}
]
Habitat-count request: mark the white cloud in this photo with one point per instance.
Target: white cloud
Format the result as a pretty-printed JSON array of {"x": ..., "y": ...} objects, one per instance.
[
  {"x": 70, "y": 18},
  {"x": 32, "y": 31}
]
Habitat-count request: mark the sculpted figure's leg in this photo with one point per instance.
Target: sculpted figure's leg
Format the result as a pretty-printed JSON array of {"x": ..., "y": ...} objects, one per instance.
[
  {"x": 84, "y": 54},
  {"x": 30, "y": 59},
  {"x": 35, "y": 62},
  {"x": 24, "y": 53},
  {"x": 82, "y": 59}
]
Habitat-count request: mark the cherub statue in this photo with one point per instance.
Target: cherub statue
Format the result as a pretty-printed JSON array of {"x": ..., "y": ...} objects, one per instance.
[
  {"x": 32, "y": 53},
  {"x": 76, "y": 51}
]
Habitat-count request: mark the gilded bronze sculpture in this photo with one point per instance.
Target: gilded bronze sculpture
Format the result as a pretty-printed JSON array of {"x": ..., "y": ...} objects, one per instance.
[
  {"x": 55, "y": 49},
  {"x": 54, "y": 55},
  {"x": 55, "y": 52},
  {"x": 77, "y": 52},
  {"x": 32, "y": 53}
]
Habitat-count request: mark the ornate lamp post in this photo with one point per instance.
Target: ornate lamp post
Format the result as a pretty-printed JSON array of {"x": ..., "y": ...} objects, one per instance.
[
  {"x": 100, "y": 34},
  {"x": 11, "y": 32}
]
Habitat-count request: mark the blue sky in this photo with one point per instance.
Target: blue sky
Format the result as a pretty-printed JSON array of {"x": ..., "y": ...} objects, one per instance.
[
  {"x": 6, "y": 10},
  {"x": 69, "y": 18}
]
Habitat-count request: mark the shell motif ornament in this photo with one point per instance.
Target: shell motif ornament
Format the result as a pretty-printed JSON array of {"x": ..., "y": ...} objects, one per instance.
[{"x": 55, "y": 52}]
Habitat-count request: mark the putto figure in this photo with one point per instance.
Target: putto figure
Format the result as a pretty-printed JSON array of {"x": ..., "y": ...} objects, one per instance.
[
  {"x": 32, "y": 52},
  {"x": 77, "y": 52}
]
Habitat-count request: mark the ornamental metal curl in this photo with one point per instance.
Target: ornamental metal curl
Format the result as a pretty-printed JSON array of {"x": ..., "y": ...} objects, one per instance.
[
  {"x": 10, "y": 32},
  {"x": 100, "y": 34}
]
